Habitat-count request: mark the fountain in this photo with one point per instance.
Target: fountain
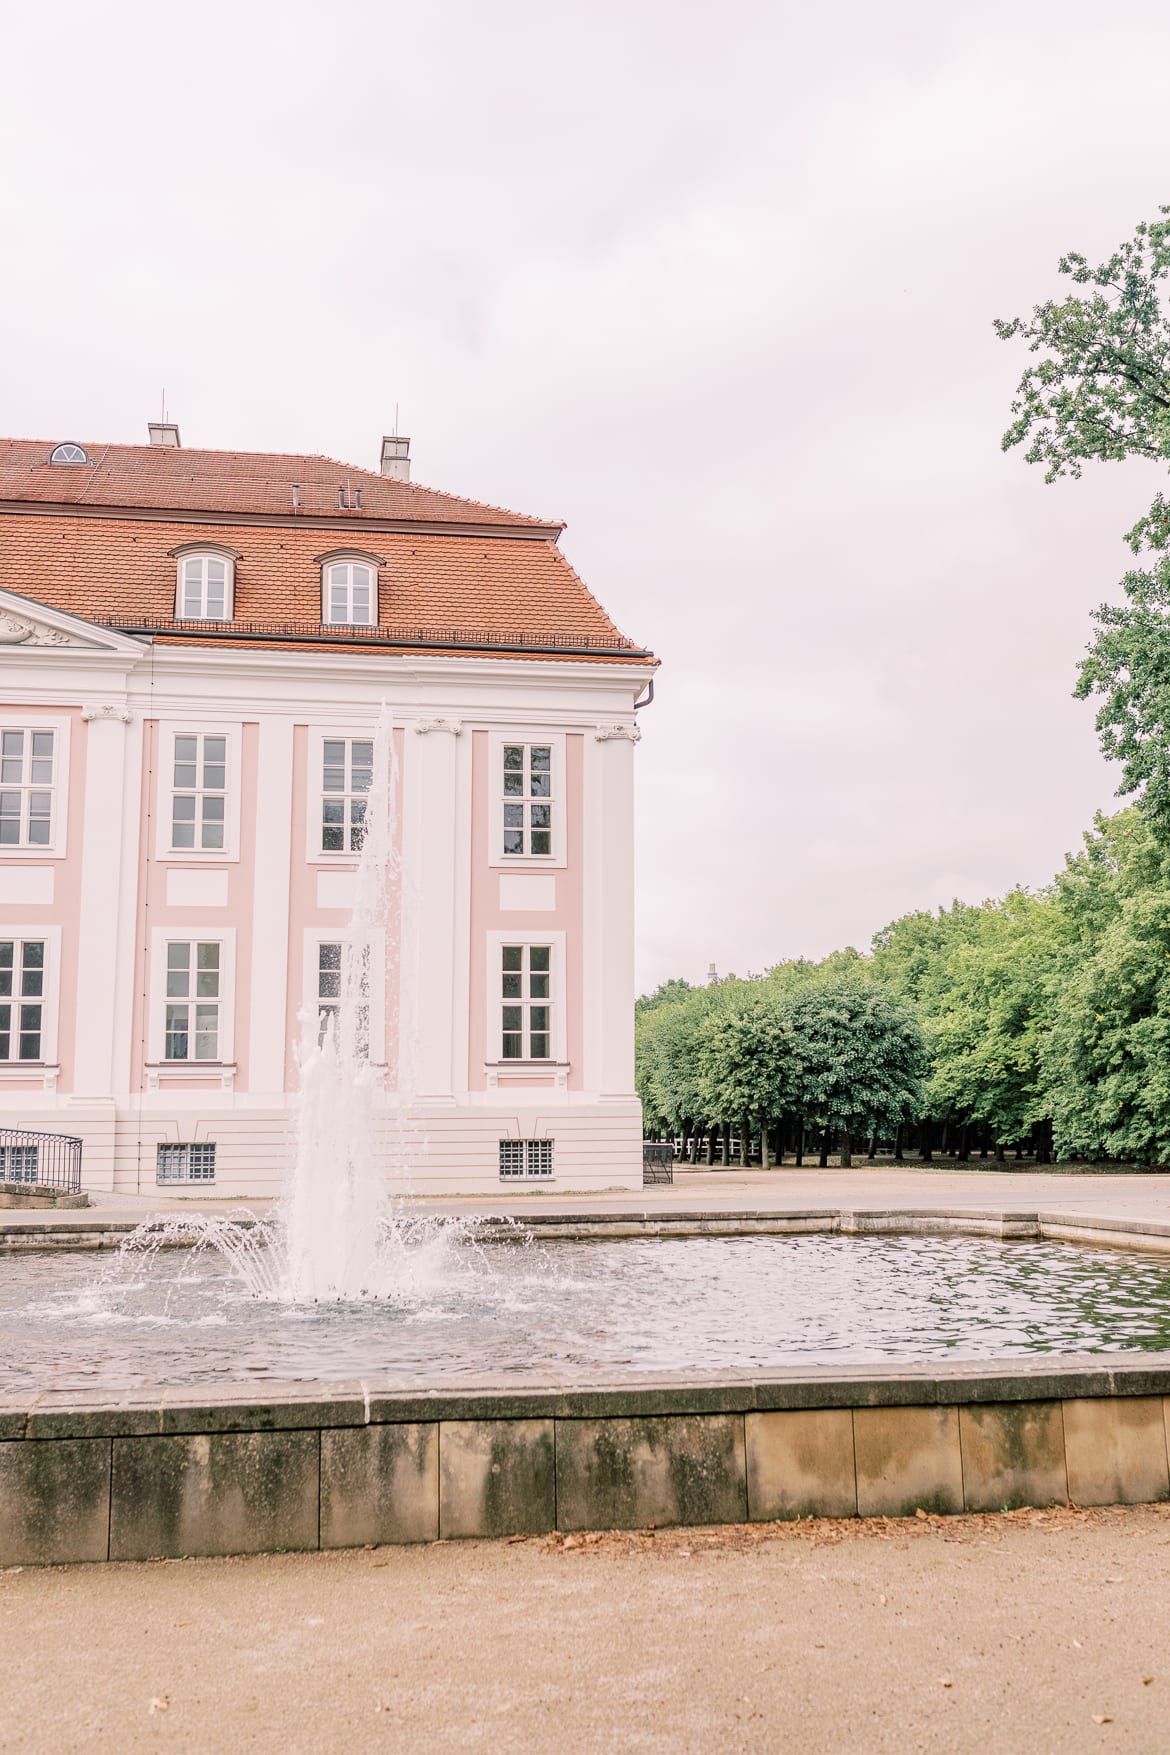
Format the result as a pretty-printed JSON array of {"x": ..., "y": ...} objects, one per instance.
[{"x": 347, "y": 1372}]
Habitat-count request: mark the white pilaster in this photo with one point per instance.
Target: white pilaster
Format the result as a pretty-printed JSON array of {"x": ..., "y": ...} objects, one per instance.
[
  {"x": 270, "y": 906},
  {"x": 613, "y": 948},
  {"x": 429, "y": 890},
  {"x": 103, "y": 877}
]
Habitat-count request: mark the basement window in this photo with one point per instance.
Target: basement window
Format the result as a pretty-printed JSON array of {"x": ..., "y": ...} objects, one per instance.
[
  {"x": 187, "y": 1163},
  {"x": 524, "y": 1159}
]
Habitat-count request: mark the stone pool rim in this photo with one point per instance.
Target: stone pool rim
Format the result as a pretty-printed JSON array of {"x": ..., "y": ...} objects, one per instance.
[{"x": 170, "y": 1473}]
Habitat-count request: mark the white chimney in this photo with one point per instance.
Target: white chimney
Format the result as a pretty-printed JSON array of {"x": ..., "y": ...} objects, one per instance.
[
  {"x": 396, "y": 457},
  {"x": 163, "y": 433}
]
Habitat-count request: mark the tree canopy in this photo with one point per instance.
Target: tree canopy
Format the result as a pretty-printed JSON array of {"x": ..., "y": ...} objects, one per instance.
[{"x": 1099, "y": 390}]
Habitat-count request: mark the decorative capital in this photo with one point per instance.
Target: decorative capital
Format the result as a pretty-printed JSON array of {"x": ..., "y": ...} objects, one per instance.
[
  {"x": 107, "y": 710},
  {"x": 604, "y": 733},
  {"x": 454, "y": 726}
]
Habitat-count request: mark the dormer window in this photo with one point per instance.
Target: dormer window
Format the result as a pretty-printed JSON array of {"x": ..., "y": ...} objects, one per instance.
[
  {"x": 349, "y": 591},
  {"x": 68, "y": 453},
  {"x": 206, "y": 584}
]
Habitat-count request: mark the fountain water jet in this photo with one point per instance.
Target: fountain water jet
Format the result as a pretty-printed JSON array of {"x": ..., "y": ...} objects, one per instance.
[{"x": 336, "y": 1235}]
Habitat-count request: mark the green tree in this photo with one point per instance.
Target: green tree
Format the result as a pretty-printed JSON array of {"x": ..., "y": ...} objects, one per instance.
[
  {"x": 860, "y": 1060},
  {"x": 1099, "y": 390},
  {"x": 1107, "y": 1055},
  {"x": 746, "y": 1059}
]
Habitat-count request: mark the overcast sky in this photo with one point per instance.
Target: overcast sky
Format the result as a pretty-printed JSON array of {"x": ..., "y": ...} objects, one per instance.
[{"x": 715, "y": 285}]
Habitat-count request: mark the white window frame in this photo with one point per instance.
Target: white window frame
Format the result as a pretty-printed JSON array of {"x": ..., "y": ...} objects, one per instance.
[
  {"x": 497, "y": 742},
  {"x": 168, "y": 731},
  {"x": 50, "y": 937},
  {"x": 199, "y": 792},
  {"x": 202, "y": 556},
  {"x": 349, "y": 560},
  {"x": 160, "y": 938},
  {"x": 315, "y": 854},
  {"x": 315, "y": 937},
  {"x": 526, "y": 1153},
  {"x": 187, "y": 1147},
  {"x": 56, "y": 846},
  {"x": 494, "y": 1038}
]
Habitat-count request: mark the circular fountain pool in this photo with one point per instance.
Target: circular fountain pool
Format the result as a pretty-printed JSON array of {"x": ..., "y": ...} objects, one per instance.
[{"x": 541, "y": 1311}]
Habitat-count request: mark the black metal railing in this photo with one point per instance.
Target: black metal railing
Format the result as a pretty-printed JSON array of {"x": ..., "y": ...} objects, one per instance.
[
  {"x": 40, "y": 1160},
  {"x": 657, "y": 1162}
]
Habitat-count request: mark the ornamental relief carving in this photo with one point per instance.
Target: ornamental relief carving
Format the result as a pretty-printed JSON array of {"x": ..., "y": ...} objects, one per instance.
[
  {"x": 606, "y": 733},
  {"x": 15, "y": 632}
]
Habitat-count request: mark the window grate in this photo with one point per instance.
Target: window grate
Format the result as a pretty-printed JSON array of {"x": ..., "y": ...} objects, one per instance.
[
  {"x": 193, "y": 1162},
  {"x": 19, "y": 1163},
  {"x": 521, "y": 1159}
]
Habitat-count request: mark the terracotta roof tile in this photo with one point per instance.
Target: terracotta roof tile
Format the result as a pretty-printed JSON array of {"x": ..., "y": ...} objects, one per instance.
[
  {"x": 435, "y": 590},
  {"x": 171, "y": 478}
]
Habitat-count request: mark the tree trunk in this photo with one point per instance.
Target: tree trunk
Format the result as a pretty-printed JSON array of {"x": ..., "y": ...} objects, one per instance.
[
  {"x": 846, "y": 1150},
  {"x": 711, "y": 1144},
  {"x": 1044, "y": 1145},
  {"x": 824, "y": 1157},
  {"x": 725, "y": 1145},
  {"x": 999, "y": 1152},
  {"x": 983, "y": 1147},
  {"x": 872, "y": 1152},
  {"x": 799, "y": 1144},
  {"x": 898, "y": 1159},
  {"x": 965, "y": 1144},
  {"x": 924, "y": 1150},
  {"x": 765, "y": 1163},
  {"x": 694, "y": 1151},
  {"x": 745, "y": 1144}
]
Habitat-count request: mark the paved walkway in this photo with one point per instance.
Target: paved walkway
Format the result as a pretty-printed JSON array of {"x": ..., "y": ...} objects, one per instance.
[
  {"x": 765, "y": 1191},
  {"x": 1038, "y": 1632}
]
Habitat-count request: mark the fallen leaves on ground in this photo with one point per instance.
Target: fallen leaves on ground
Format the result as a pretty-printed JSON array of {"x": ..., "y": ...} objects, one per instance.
[{"x": 985, "y": 1528}]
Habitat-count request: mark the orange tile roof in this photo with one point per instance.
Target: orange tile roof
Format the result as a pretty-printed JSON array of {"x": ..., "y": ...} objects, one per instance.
[
  {"x": 172, "y": 478},
  {"x": 437, "y": 591}
]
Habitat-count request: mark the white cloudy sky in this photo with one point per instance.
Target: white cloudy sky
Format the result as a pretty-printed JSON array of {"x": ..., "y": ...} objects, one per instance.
[{"x": 714, "y": 284}]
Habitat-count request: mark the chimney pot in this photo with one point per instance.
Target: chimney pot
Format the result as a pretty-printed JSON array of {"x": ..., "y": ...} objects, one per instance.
[
  {"x": 163, "y": 432},
  {"x": 396, "y": 457}
]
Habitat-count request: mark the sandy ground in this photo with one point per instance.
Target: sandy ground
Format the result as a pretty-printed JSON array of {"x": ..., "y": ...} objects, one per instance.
[{"x": 1036, "y": 1631}]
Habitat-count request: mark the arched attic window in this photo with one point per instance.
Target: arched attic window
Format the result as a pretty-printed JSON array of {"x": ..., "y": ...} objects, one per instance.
[
  {"x": 68, "y": 453},
  {"x": 349, "y": 588},
  {"x": 205, "y": 585}
]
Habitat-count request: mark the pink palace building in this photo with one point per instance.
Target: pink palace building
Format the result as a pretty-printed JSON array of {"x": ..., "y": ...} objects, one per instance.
[{"x": 195, "y": 647}]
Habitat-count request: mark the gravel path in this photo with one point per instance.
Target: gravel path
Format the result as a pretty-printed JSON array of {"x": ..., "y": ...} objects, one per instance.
[{"x": 1034, "y": 1631}]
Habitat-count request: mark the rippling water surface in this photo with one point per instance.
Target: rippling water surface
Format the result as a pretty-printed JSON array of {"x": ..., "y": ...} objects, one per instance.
[{"x": 579, "y": 1311}]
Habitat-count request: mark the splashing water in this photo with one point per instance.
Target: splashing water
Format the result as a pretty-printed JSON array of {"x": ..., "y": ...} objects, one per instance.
[{"x": 337, "y": 1234}]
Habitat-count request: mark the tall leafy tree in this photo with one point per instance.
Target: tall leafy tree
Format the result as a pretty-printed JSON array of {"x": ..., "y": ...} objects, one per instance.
[
  {"x": 747, "y": 1060},
  {"x": 1099, "y": 390},
  {"x": 860, "y": 1060},
  {"x": 1107, "y": 1056}
]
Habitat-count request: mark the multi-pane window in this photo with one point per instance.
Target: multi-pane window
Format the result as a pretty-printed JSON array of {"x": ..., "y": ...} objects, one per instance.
[
  {"x": 186, "y": 1163},
  {"x": 347, "y": 773},
  {"x": 193, "y": 997},
  {"x": 199, "y": 795},
  {"x": 328, "y": 988},
  {"x": 528, "y": 799},
  {"x": 22, "y": 998},
  {"x": 351, "y": 964},
  {"x": 350, "y": 594},
  {"x": 205, "y": 588},
  {"x": 526, "y": 1002},
  {"x": 526, "y": 1158},
  {"x": 18, "y": 1163},
  {"x": 27, "y": 760}
]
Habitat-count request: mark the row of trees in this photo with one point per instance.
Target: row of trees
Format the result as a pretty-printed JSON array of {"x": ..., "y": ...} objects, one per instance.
[{"x": 1039, "y": 1021}]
